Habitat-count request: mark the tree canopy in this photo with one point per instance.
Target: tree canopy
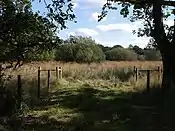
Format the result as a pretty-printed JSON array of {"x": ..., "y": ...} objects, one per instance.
[
  {"x": 80, "y": 49},
  {"x": 121, "y": 54},
  {"x": 23, "y": 31},
  {"x": 152, "y": 13},
  {"x": 16, "y": 40}
]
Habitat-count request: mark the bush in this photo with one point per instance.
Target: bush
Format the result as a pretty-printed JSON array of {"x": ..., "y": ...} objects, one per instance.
[
  {"x": 141, "y": 57},
  {"x": 121, "y": 54},
  {"x": 84, "y": 55},
  {"x": 65, "y": 53},
  {"x": 98, "y": 54},
  {"x": 41, "y": 56},
  {"x": 80, "y": 49},
  {"x": 152, "y": 55}
]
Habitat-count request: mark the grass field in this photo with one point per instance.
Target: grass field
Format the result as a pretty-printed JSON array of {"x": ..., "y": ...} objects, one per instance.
[
  {"x": 84, "y": 71},
  {"x": 95, "y": 97}
]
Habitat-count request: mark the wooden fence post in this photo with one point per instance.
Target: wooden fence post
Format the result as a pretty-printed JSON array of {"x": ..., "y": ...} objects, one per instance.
[
  {"x": 134, "y": 68},
  {"x": 39, "y": 71},
  {"x": 19, "y": 92},
  {"x": 0, "y": 70},
  {"x": 60, "y": 72},
  {"x": 148, "y": 80},
  {"x": 48, "y": 81},
  {"x": 56, "y": 72},
  {"x": 158, "y": 69},
  {"x": 136, "y": 73}
]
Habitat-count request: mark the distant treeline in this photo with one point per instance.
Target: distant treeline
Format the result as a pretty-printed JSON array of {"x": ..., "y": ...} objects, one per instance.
[{"x": 86, "y": 50}]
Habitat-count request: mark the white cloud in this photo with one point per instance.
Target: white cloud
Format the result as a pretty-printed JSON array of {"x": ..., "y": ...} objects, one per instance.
[
  {"x": 139, "y": 41},
  {"x": 85, "y": 4},
  {"x": 169, "y": 22},
  {"x": 109, "y": 43},
  {"x": 115, "y": 27},
  {"x": 128, "y": 27},
  {"x": 96, "y": 2},
  {"x": 84, "y": 32},
  {"x": 75, "y": 3},
  {"x": 95, "y": 15}
]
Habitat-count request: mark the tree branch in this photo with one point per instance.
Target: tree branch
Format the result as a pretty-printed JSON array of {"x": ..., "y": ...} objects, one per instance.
[
  {"x": 159, "y": 32},
  {"x": 149, "y": 24},
  {"x": 166, "y": 3}
]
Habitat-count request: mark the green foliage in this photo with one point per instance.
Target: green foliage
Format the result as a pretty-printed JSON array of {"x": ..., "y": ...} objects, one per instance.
[
  {"x": 138, "y": 50},
  {"x": 122, "y": 74},
  {"x": 84, "y": 55},
  {"x": 141, "y": 57},
  {"x": 151, "y": 13},
  {"x": 80, "y": 49},
  {"x": 98, "y": 54},
  {"x": 65, "y": 53},
  {"x": 152, "y": 55},
  {"x": 117, "y": 46},
  {"x": 41, "y": 56},
  {"x": 59, "y": 12},
  {"x": 104, "y": 48},
  {"x": 121, "y": 54},
  {"x": 25, "y": 34}
]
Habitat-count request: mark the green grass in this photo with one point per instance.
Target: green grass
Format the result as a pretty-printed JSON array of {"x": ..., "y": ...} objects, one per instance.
[
  {"x": 95, "y": 100},
  {"x": 82, "y": 107},
  {"x": 98, "y": 105}
]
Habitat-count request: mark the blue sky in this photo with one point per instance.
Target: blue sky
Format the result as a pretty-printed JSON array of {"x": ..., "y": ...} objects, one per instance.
[{"x": 112, "y": 30}]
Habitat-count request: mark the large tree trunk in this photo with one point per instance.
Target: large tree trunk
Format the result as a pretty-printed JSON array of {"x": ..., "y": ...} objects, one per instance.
[
  {"x": 168, "y": 60},
  {"x": 166, "y": 48}
]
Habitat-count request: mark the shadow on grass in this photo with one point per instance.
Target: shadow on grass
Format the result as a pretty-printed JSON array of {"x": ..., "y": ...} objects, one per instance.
[
  {"x": 106, "y": 110},
  {"x": 98, "y": 109}
]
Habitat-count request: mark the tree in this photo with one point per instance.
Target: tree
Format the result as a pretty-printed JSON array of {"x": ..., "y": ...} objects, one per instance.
[
  {"x": 152, "y": 13},
  {"x": 80, "y": 49},
  {"x": 104, "y": 48},
  {"x": 23, "y": 31},
  {"x": 152, "y": 55},
  {"x": 66, "y": 52},
  {"x": 117, "y": 46},
  {"x": 84, "y": 55},
  {"x": 152, "y": 44},
  {"x": 130, "y": 46},
  {"x": 138, "y": 50},
  {"x": 121, "y": 54},
  {"x": 44, "y": 55},
  {"x": 59, "y": 12}
]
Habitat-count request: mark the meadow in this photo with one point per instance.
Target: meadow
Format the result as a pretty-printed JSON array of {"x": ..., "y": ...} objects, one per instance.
[
  {"x": 93, "y": 97},
  {"x": 108, "y": 73}
]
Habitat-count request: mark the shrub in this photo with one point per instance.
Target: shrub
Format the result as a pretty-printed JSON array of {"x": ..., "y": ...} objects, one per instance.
[
  {"x": 123, "y": 74},
  {"x": 65, "y": 53},
  {"x": 98, "y": 54},
  {"x": 41, "y": 56},
  {"x": 84, "y": 55},
  {"x": 141, "y": 57},
  {"x": 121, "y": 54},
  {"x": 80, "y": 49},
  {"x": 152, "y": 55}
]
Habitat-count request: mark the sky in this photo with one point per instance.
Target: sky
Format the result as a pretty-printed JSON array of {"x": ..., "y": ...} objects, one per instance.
[{"x": 112, "y": 30}]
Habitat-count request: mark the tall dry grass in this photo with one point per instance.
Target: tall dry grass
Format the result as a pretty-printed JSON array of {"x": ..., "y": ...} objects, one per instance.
[
  {"x": 30, "y": 70},
  {"x": 107, "y": 74}
]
